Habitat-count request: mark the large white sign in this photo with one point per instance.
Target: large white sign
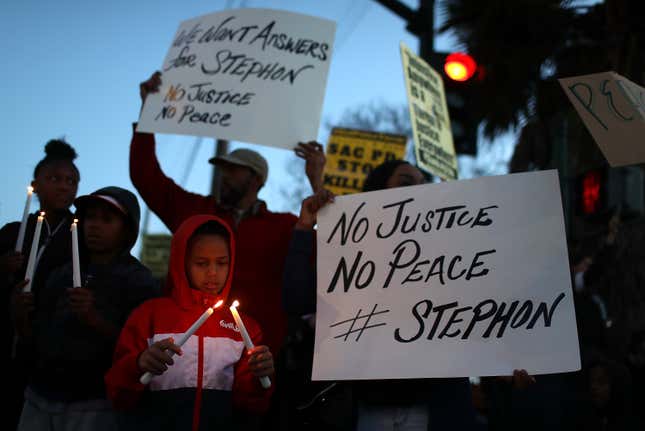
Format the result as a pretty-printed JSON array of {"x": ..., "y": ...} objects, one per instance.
[
  {"x": 252, "y": 75},
  {"x": 465, "y": 278},
  {"x": 613, "y": 109}
]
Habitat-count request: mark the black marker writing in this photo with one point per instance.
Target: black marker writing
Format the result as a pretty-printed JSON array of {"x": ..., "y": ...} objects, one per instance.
[
  {"x": 284, "y": 42},
  {"x": 491, "y": 317},
  {"x": 182, "y": 59},
  {"x": 407, "y": 254},
  {"x": 225, "y": 62},
  {"x": 358, "y": 317},
  {"x": 223, "y": 33},
  {"x": 203, "y": 92}
]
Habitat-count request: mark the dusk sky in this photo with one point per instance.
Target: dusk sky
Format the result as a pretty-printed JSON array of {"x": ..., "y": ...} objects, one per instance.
[{"x": 72, "y": 70}]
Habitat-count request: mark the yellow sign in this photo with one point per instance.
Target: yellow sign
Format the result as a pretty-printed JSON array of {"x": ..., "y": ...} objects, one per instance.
[
  {"x": 431, "y": 131},
  {"x": 352, "y": 154},
  {"x": 155, "y": 252}
]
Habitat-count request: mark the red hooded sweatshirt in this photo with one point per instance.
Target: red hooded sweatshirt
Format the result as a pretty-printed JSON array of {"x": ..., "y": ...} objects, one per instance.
[
  {"x": 212, "y": 375},
  {"x": 262, "y": 238}
]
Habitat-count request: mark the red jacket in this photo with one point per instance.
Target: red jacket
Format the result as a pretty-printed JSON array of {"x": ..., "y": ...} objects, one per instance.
[
  {"x": 212, "y": 374},
  {"x": 262, "y": 239}
]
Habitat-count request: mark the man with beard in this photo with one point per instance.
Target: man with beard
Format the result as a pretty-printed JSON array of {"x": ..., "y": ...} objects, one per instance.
[
  {"x": 243, "y": 173},
  {"x": 261, "y": 236}
]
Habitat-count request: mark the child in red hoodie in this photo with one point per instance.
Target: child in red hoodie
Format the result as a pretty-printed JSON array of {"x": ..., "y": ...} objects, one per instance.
[{"x": 212, "y": 374}]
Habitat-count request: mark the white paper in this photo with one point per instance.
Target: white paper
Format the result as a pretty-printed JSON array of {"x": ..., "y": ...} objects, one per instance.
[
  {"x": 613, "y": 109},
  {"x": 264, "y": 72},
  {"x": 515, "y": 227}
]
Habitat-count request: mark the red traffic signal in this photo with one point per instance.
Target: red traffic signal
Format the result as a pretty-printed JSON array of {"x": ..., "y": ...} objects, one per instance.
[
  {"x": 591, "y": 192},
  {"x": 459, "y": 66}
]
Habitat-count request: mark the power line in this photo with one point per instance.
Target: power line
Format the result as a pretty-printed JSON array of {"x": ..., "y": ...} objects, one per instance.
[
  {"x": 191, "y": 160},
  {"x": 365, "y": 6}
]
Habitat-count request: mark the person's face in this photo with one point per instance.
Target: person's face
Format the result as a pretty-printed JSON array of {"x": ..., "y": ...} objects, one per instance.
[
  {"x": 207, "y": 262},
  {"x": 56, "y": 186},
  {"x": 236, "y": 183},
  {"x": 104, "y": 228},
  {"x": 600, "y": 386},
  {"x": 405, "y": 175}
]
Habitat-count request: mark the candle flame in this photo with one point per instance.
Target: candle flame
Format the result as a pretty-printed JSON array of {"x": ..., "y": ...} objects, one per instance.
[
  {"x": 75, "y": 220},
  {"x": 30, "y": 189},
  {"x": 235, "y": 304},
  {"x": 219, "y": 303},
  {"x": 42, "y": 214}
]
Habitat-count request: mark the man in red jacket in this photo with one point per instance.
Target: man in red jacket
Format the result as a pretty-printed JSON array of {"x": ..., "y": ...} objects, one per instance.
[{"x": 262, "y": 236}]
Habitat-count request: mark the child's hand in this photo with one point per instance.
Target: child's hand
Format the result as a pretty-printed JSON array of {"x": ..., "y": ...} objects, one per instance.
[
  {"x": 81, "y": 302},
  {"x": 261, "y": 361},
  {"x": 11, "y": 262},
  {"x": 23, "y": 306},
  {"x": 155, "y": 359}
]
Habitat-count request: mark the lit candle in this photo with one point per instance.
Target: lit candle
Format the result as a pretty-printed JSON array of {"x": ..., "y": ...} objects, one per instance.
[
  {"x": 264, "y": 380},
  {"x": 76, "y": 266},
  {"x": 23, "y": 223},
  {"x": 145, "y": 379},
  {"x": 31, "y": 263}
]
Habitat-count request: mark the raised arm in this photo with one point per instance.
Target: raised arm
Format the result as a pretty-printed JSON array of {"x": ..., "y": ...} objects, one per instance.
[
  {"x": 313, "y": 154},
  {"x": 299, "y": 279},
  {"x": 165, "y": 198}
]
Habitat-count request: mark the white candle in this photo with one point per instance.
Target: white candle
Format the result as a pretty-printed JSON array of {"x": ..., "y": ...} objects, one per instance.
[
  {"x": 31, "y": 263},
  {"x": 264, "y": 380},
  {"x": 76, "y": 266},
  {"x": 145, "y": 379},
  {"x": 23, "y": 224}
]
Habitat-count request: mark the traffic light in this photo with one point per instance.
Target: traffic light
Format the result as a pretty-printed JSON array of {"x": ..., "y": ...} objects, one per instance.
[
  {"x": 591, "y": 193},
  {"x": 460, "y": 74},
  {"x": 459, "y": 66},
  {"x": 604, "y": 189}
]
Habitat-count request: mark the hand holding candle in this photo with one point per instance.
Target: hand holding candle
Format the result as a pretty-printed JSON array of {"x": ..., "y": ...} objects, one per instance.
[
  {"x": 23, "y": 223},
  {"x": 76, "y": 267},
  {"x": 264, "y": 380},
  {"x": 261, "y": 361},
  {"x": 145, "y": 379},
  {"x": 31, "y": 263}
]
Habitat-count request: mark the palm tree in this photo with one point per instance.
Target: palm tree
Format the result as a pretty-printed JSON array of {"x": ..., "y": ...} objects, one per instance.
[{"x": 525, "y": 45}]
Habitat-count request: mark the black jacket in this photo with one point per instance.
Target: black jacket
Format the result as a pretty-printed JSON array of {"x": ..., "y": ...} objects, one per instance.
[
  {"x": 57, "y": 252},
  {"x": 71, "y": 357}
]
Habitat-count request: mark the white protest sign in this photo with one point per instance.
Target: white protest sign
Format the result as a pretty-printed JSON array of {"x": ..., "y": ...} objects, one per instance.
[
  {"x": 462, "y": 278},
  {"x": 252, "y": 75},
  {"x": 613, "y": 109}
]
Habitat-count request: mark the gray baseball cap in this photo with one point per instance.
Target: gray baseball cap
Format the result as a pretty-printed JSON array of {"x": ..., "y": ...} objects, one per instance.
[{"x": 245, "y": 157}]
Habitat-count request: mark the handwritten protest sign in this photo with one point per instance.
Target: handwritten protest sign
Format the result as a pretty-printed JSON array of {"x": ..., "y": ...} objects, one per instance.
[
  {"x": 433, "y": 145},
  {"x": 445, "y": 280},
  {"x": 613, "y": 109},
  {"x": 352, "y": 154},
  {"x": 253, "y": 75}
]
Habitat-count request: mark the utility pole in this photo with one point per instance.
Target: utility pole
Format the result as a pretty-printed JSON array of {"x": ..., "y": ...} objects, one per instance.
[
  {"x": 221, "y": 149},
  {"x": 420, "y": 22}
]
